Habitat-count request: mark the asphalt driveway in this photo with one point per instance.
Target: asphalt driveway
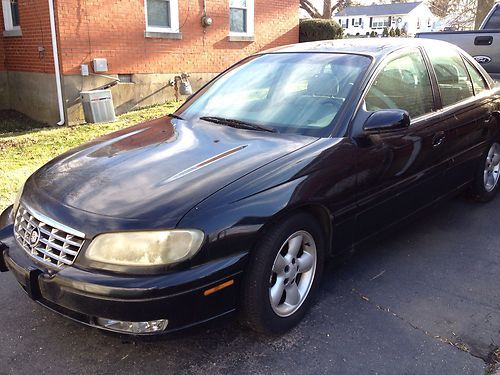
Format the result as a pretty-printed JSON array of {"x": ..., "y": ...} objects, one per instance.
[{"x": 425, "y": 300}]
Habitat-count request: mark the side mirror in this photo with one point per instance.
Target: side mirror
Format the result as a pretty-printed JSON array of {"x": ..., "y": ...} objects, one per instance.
[{"x": 387, "y": 120}]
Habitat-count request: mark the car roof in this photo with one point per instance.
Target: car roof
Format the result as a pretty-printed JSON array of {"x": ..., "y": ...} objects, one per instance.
[{"x": 374, "y": 47}]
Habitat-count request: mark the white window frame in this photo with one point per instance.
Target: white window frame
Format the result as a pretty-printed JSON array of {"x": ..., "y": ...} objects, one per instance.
[
  {"x": 250, "y": 19},
  {"x": 174, "y": 19},
  {"x": 7, "y": 16}
]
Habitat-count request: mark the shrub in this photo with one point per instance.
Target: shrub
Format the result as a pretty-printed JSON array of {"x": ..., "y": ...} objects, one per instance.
[
  {"x": 319, "y": 29},
  {"x": 397, "y": 32},
  {"x": 385, "y": 32},
  {"x": 372, "y": 34},
  {"x": 391, "y": 32}
]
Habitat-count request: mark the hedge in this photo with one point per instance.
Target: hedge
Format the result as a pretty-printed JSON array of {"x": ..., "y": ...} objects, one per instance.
[{"x": 319, "y": 29}]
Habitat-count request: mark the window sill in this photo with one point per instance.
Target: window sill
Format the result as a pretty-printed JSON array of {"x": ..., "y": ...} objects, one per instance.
[
  {"x": 241, "y": 38},
  {"x": 12, "y": 33},
  {"x": 162, "y": 35}
]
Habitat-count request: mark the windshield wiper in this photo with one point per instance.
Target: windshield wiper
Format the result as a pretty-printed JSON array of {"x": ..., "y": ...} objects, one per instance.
[
  {"x": 173, "y": 115},
  {"x": 237, "y": 123}
]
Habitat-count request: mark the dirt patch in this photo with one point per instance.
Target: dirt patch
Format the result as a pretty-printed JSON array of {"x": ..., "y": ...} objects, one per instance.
[{"x": 13, "y": 121}]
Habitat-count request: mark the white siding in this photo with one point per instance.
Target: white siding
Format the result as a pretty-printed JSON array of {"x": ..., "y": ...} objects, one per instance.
[{"x": 420, "y": 16}]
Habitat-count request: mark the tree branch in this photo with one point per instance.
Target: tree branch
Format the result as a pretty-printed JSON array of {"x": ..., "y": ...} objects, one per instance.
[
  {"x": 310, "y": 8},
  {"x": 340, "y": 4}
]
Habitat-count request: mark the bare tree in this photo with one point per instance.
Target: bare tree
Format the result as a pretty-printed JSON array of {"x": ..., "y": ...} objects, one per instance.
[
  {"x": 329, "y": 8},
  {"x": 483, "y": 7},
  {"x": 439, "y": 7},
  {"x": 459, "y": 14}
]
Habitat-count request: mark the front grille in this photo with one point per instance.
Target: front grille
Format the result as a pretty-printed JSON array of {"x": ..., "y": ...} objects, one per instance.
[{"x": 45, "y": 240}]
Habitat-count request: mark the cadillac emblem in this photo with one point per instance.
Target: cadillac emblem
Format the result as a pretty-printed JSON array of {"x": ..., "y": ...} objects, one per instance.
[{"x": 34, "y": 237}]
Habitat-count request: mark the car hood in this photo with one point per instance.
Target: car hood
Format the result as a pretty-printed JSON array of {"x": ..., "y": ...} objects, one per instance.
[{"x": 156, "y": 170}]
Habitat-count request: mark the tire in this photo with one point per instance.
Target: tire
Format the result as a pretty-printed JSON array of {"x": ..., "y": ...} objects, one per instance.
[
  {"x": 486, "y": 182},
  {"x": 271, "y": 270}
]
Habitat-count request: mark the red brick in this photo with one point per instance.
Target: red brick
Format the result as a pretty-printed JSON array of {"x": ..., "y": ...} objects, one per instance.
[{"x": 114, "y": 29}]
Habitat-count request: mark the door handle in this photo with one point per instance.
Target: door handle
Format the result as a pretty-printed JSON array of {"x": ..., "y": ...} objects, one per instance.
[
  {"x": 483, "y": 40},
  {"x": 438, "y": 139}
]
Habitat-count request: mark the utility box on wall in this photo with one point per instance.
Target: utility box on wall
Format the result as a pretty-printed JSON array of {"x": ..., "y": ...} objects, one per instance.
[
  {"x": 98, "y": 106},
  {"x": 100, "y": 65}
]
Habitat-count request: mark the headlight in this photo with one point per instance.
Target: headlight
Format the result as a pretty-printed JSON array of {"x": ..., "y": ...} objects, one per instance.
[
  {"x": 145, "y": 248},
  {"x": 18, "y": 199}
]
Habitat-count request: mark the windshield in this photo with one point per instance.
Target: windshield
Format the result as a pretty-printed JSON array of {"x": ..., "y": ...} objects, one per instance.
[{"x": 285, "y": 92}]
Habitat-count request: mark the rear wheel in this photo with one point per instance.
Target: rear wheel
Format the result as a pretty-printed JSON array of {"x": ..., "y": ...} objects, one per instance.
[
  {"x": 283, "y": 275},
  {"x": 486, "y": 182}
]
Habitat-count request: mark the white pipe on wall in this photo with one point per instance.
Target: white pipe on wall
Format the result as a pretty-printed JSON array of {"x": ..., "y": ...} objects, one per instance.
[{"x": 56, "y": 63}]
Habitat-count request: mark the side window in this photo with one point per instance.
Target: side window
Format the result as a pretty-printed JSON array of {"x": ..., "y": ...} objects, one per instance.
[
  {"x": 402, "y": 84},
  {"x": 477, "y": 79},
  {"x": 494, "y": 22},
  {"x": 452, "y": 77}
]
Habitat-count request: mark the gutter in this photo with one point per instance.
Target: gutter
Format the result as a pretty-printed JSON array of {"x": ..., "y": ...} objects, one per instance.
[{"x": 57, "y": 67}]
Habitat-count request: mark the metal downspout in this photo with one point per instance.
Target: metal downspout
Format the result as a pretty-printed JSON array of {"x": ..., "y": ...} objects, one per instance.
[{"x": 56, "y": 63}]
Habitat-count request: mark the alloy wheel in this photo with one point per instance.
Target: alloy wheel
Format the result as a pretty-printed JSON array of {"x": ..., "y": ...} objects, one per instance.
[
  {"x": 293, "y": 273},
  {"x": 492, "y": 167}
]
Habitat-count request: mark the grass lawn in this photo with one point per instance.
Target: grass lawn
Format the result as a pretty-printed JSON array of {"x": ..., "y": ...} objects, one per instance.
[{"x": 24, "y": 151}]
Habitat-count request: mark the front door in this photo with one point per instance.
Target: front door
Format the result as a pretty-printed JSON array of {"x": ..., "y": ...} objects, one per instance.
[{"x": 402, "y": 171}]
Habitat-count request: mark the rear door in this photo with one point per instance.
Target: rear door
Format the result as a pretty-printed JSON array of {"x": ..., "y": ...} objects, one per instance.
[
  {"x": 467, "y": 111},
  {"x": 399, "y": 172}
]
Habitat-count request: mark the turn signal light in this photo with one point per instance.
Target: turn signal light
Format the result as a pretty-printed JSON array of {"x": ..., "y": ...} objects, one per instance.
[{"x": 218, "y": 287}]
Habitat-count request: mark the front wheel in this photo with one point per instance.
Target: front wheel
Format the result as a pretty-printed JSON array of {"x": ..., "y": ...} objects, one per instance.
[
  {"x": 283, "y": 274},
  {"x": 486, "y": 183}
]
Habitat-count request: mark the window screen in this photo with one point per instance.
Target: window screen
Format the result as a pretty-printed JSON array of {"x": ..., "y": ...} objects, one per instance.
[
  {"x": 14, "y": 7},
  {"x": 238, "y": 16},
  {"x": 159, "y": 13}
]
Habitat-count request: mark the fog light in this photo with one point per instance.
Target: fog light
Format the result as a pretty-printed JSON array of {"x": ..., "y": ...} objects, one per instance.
[{"x": 152, "y": 326}]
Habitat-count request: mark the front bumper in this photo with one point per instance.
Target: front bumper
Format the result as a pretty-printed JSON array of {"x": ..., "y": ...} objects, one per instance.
[{"x": 181, "y": 297}]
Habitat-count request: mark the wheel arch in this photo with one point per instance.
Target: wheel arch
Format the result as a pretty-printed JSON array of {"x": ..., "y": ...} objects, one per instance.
[{"x": 320, "y": 212}]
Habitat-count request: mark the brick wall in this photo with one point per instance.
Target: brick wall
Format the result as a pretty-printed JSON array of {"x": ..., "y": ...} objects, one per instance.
[
  {"x": 114, "y": 29},
  {"x": 2, "y": 47},
  {"x": 21, "y": 53}
]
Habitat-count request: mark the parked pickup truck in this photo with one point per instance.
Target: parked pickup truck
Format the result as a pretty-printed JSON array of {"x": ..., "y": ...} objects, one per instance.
[{"x": 482, "y": 44}]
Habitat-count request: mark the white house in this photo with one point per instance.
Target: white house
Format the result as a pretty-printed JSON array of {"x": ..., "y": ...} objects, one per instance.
[{"x": 408, "y": 17}]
